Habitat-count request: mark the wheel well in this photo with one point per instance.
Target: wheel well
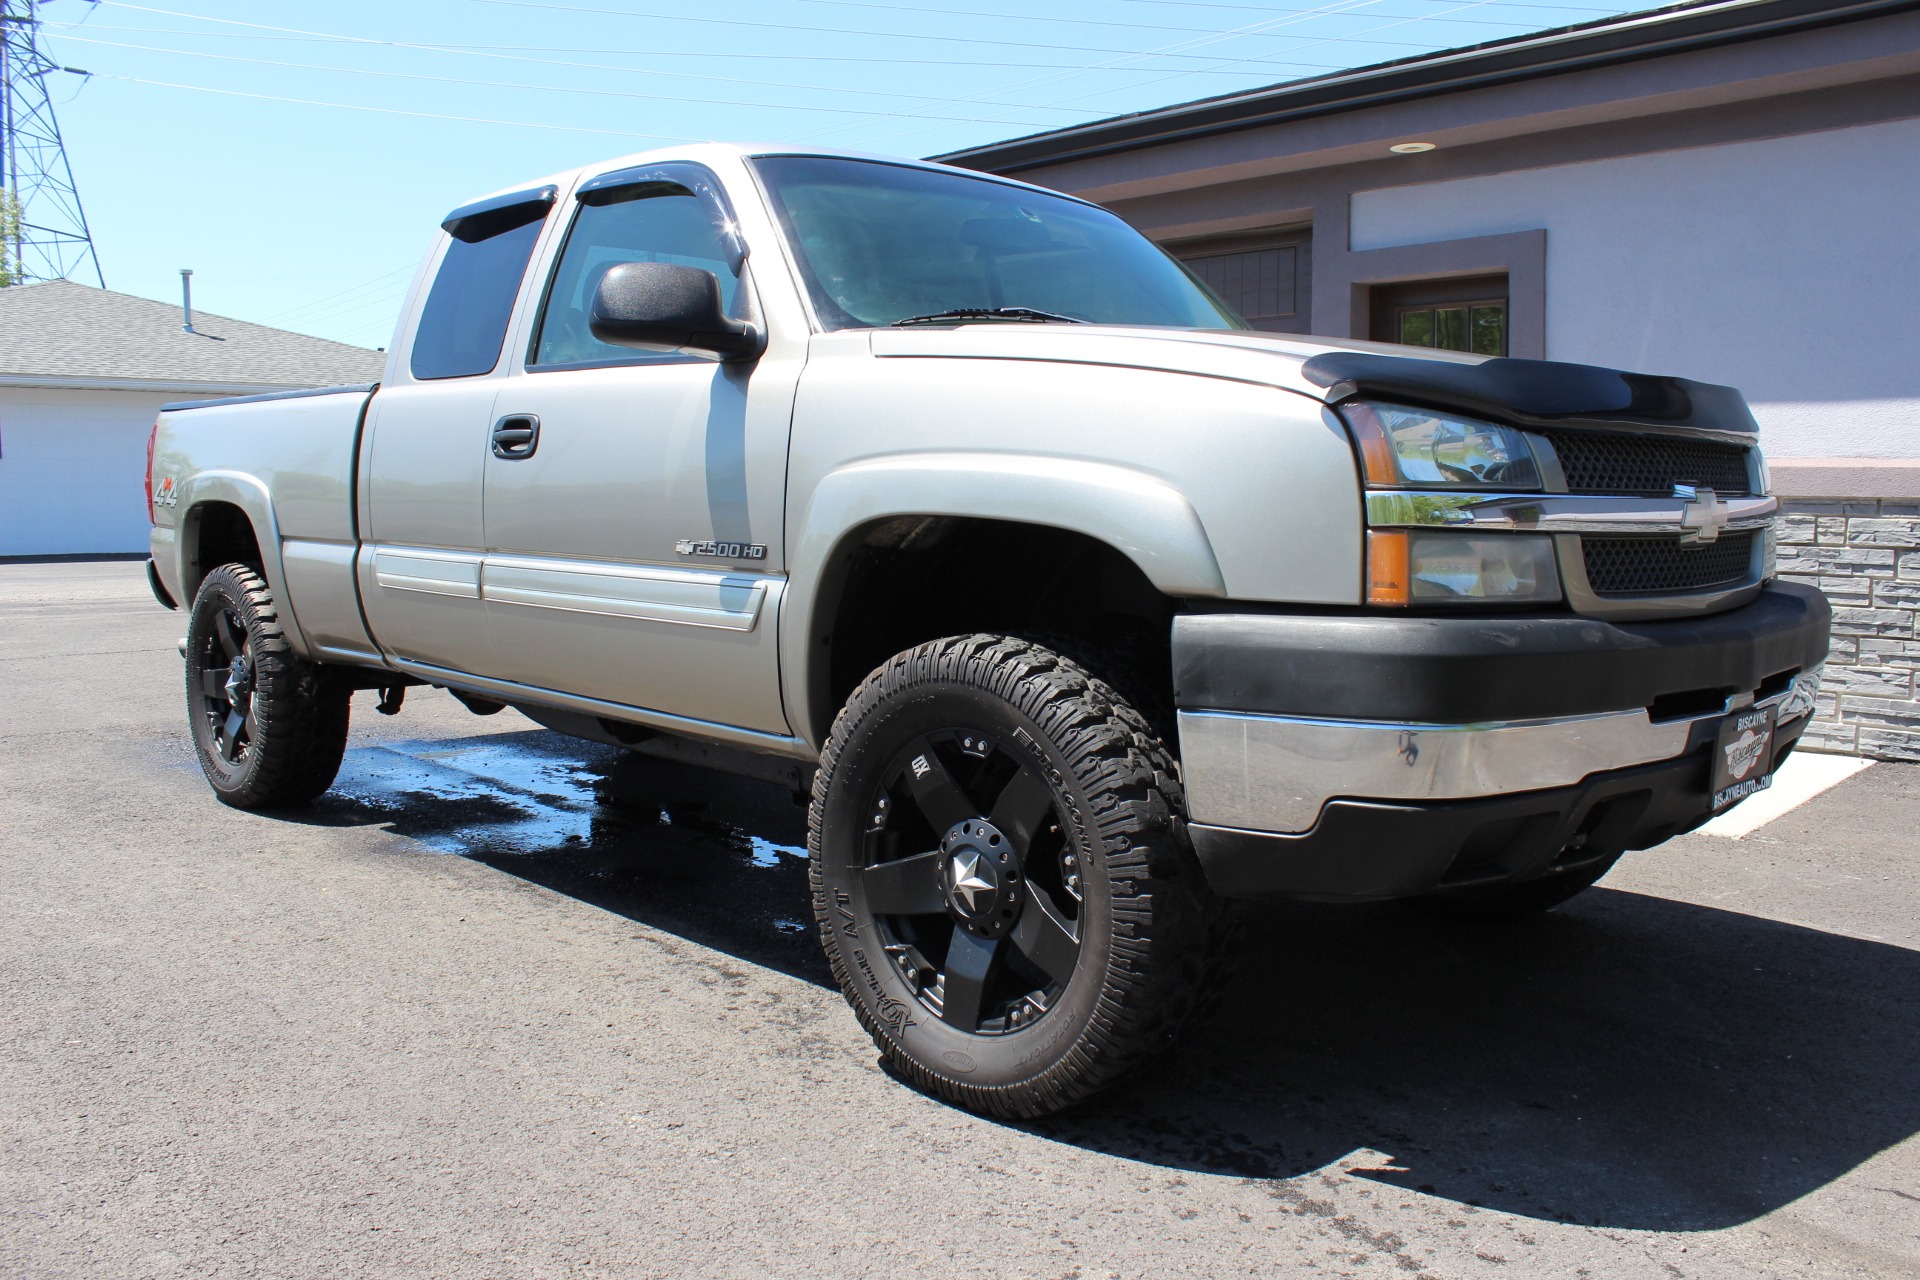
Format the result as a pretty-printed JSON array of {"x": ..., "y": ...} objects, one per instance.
[
  {"x": 218, "y": 533},
  {"x": 906, "y": 580}
]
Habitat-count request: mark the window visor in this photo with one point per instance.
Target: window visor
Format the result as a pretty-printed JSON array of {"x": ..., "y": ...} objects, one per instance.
[
  {"x": 675, "y": 178},
  {"x": 496, "y": 215}
]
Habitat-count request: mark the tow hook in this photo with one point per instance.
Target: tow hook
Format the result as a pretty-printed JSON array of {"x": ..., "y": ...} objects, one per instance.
[{"x": 391, "y": 697}]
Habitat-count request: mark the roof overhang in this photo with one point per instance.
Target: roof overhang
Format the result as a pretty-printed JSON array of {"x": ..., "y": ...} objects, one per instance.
[
  {"x": 164, "y": 386},
  {"x": 1612, "y": 43}
]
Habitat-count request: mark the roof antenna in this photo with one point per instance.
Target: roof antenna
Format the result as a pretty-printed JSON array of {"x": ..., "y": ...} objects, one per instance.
[{"x": 186, "y": 298}]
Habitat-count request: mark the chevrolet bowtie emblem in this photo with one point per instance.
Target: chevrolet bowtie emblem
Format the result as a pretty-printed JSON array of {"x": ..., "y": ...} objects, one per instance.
[{"x": 1702, "y": 514}]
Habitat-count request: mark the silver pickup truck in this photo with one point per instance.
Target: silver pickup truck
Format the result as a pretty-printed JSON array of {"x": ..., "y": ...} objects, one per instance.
[{"x": 1079, "y": 609}]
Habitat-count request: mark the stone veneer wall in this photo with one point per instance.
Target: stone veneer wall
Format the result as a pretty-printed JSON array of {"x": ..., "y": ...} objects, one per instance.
[{"x": 1865, "y": 555}]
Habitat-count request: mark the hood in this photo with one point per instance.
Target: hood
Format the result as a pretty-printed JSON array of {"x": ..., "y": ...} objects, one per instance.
[
  {"x": 1268, "y": 359},
  {"x": 1331, "y": 370}
]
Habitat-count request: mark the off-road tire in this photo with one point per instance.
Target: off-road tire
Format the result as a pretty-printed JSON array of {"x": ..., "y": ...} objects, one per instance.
[
  {"x": 1505, "y": 903},
  {"x": 293, "y": 730},
  {"x": 1154, "y": 943}
]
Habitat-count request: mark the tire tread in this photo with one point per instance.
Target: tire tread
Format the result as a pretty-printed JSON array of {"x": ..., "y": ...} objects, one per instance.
[
  {"x": 300, "y": 712},
  {"x": 1174, "y": 940}
]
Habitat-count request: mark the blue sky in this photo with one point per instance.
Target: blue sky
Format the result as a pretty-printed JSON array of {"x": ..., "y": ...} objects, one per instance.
[{"x": 298, "y": 156}]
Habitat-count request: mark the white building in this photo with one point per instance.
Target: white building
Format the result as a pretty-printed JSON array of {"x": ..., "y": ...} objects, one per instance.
[
  {"x": 83, "y": 373},
  {"x": 1727, "y": 191}
]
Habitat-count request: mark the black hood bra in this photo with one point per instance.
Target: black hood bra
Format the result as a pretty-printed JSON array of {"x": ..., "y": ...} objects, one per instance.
[{"x": 1538, "y": 390}]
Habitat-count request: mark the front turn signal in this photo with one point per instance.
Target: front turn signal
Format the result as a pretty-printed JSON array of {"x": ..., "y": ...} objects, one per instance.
[{"x": 1389, "y": 568}]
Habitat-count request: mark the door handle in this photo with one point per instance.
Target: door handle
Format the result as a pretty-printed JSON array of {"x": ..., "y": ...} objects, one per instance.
[{"x": 516, "y": 436}]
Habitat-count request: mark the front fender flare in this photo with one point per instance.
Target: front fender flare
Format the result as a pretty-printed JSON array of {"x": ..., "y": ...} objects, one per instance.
[{"x": 1139, "y": 515}]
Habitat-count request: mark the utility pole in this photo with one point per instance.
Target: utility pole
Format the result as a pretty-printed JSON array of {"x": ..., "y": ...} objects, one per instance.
[{"x": 44, "y": 227}]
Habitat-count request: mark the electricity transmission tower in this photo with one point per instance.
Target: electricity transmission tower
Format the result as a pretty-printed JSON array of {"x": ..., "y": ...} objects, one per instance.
[{"x": 43, "y": 229}]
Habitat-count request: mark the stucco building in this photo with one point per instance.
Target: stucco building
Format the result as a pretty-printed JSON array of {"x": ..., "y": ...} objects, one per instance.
[
  {"x": 83, "y": 373},
  {"x": 1727, "y": 191}
]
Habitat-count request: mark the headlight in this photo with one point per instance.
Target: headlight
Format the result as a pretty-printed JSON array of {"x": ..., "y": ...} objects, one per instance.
[
  {"x": 1401, "y": 445},
  {"x": 1405, "y": 567}
]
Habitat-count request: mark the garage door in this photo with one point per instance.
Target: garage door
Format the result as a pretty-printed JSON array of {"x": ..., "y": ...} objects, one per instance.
[
  {"x": 71, "y": 467},
  {"x": 1267, "y": 278}
]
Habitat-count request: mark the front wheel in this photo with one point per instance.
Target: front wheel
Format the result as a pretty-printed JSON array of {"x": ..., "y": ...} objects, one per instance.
[
  {"x": 1000, "y": 879},
  {"x": 270, "y": 728}
]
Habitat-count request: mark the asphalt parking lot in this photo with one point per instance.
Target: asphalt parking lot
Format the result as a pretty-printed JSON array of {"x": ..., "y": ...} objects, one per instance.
[{"x": 506, "y": 1005}]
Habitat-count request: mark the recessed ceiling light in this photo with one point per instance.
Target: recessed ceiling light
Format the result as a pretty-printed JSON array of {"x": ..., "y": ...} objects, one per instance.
[{"x": 1411, "y": 148}]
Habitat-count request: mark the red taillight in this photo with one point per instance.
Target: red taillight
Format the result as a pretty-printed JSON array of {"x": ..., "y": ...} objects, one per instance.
[{"x": 148, "y": 478}]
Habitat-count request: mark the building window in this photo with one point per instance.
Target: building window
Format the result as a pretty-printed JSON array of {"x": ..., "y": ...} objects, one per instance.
[
  {"x": 1449, "y": 315},
  {"x": 1479, "y": 327},
  {"x": 1266, "y": 278}
]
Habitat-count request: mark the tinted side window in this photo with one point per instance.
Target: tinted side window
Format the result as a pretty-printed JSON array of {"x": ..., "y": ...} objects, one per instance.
[
  {"x": 659, "y": 223},
  {"x": 464, "y": 323}
]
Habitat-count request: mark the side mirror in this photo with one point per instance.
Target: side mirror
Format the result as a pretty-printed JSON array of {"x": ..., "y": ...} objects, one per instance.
[{"x": 661, "y": 306}]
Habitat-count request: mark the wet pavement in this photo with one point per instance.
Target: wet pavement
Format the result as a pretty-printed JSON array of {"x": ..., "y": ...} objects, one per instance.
[
  {"x": 505, "y": 1003},
  {"x": 718, "y": 860}
]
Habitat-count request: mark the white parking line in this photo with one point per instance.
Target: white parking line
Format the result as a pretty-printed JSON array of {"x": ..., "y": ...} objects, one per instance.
[{"x": 1804, "y": 776}]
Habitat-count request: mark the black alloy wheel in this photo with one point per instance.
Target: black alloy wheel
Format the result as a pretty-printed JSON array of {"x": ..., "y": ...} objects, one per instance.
[
  {"x": 226, "y": 686},
  {"x": 985, "y": 923},
  {"x": 1001, "y": 882},
  {"x": 269, "y": 727}
]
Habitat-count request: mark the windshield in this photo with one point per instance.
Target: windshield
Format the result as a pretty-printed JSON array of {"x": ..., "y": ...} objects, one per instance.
[{"x": 881, "y": 243}]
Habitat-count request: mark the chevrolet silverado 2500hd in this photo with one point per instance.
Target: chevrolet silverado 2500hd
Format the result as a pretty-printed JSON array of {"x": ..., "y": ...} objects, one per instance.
[{"x": 1080, "y": 608}]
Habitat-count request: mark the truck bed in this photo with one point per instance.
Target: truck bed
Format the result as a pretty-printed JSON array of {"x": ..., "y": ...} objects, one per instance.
[{"x": 287, "y": 460}]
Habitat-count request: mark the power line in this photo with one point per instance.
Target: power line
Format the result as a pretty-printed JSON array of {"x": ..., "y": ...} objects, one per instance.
[
  {"x": 1328, "y": 11},
  {"x": 892, "y": 6},
  {"x": 844, "y": 31},
  {"x": 390, "y": 278},
  {"x": 327, "y": 36},
  {"x": 1336, "y": 7},
  {"x": 540, "y": 88},
  {"x": 394, "y": 111},
  {"x": 1471, "y": 4},
  {"x": 388, "y": 303},
  {"x": 322, "y": 38},
  {"x": 1496, "y": 4}
]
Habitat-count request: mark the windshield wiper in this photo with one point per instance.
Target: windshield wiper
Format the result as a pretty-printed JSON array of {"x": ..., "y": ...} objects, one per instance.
[{"x": 1026, "y": 314}]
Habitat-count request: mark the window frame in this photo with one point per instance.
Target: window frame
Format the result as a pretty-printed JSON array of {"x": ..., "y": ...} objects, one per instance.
[
  {"x": 473, "y": 224},
  {"x": 699, "y": 182}
]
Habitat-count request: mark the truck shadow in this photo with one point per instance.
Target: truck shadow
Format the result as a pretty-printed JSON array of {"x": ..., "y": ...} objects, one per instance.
[{"x": 1628, "y": 1062}]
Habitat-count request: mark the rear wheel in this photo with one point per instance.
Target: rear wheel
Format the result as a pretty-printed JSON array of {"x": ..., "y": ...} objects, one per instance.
[
  {"x": 269, "y": 728},
  {"x": 1001, "y": 883}
]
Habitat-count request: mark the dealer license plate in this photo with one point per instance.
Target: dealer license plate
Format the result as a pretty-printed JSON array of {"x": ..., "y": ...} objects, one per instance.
[{"x": 1743, "y": 756}]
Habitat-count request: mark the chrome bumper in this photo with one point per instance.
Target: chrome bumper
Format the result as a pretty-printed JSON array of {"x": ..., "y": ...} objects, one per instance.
[{"x": 1274, "y": 773}]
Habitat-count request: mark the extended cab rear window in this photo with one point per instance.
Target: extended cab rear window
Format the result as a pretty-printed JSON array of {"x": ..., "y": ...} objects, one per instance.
[{"x": 464, "y": 323}]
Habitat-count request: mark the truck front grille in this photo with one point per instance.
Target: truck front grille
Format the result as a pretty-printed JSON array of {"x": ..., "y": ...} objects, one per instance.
[
  {"x": 1615, "y": 462},
  {"x": 1656, "y": 566}
]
